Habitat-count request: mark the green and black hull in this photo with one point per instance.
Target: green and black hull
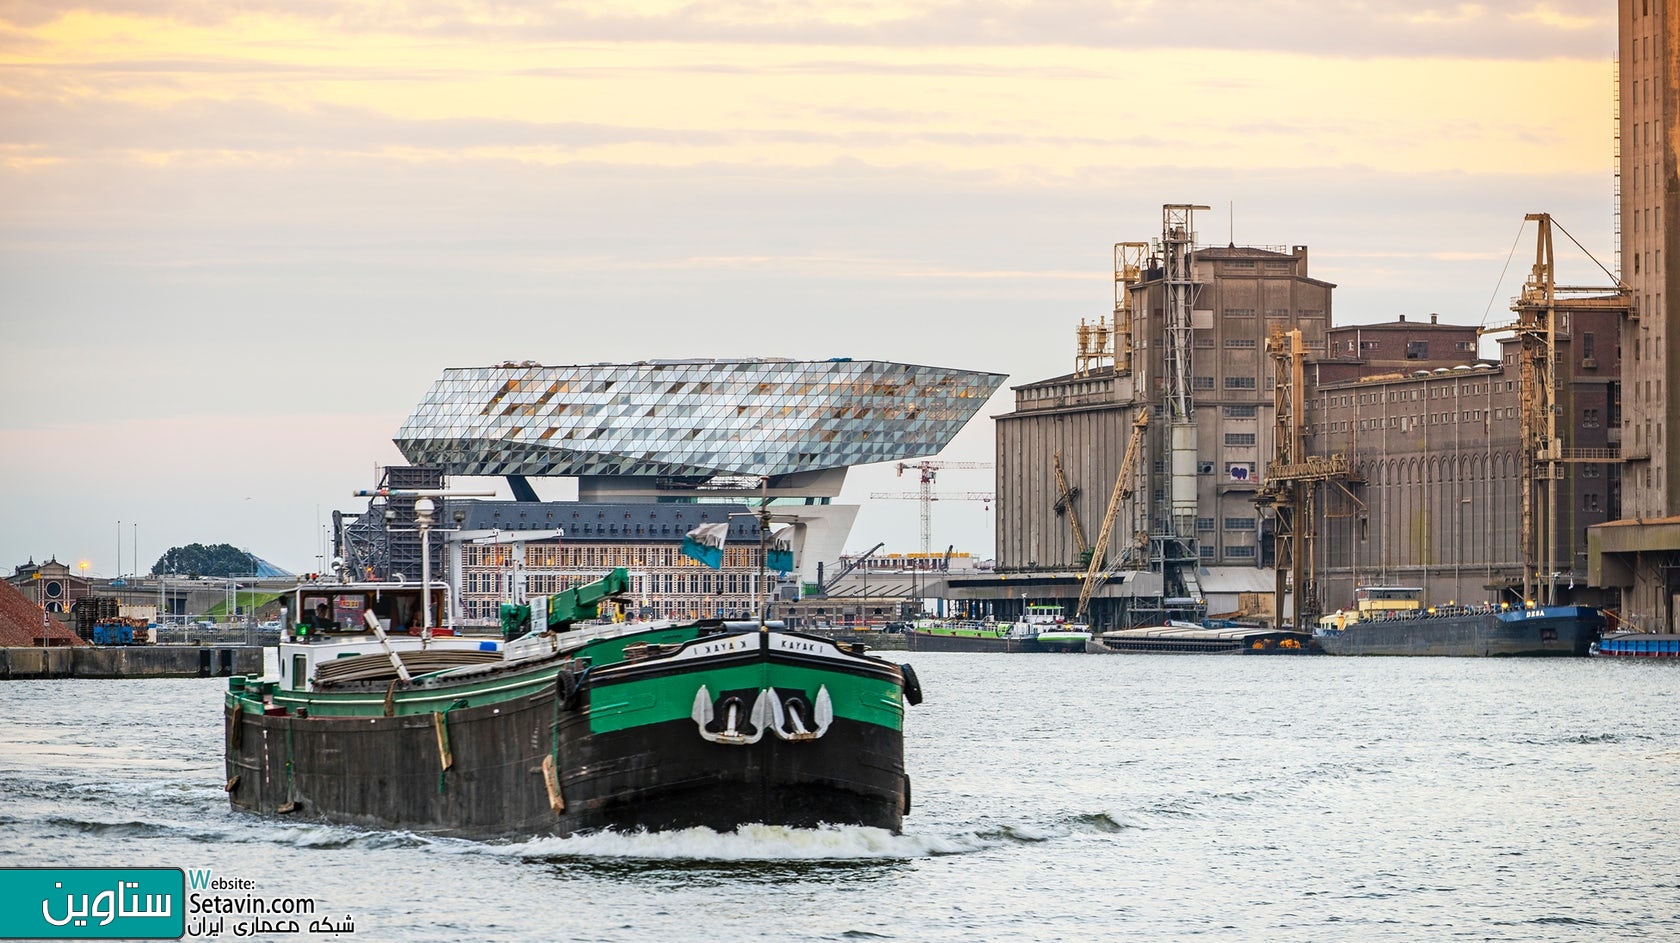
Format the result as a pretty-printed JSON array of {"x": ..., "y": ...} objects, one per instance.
[
  {"x": 674, "y": 728},
  {"x": 934, "y": 640}
]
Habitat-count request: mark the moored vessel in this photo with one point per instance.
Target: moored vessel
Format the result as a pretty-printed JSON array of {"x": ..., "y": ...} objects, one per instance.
[
  {"x": 1042, "y": 629},
  {"x": 1389, "y": 620},
  {"x": 1638, "y": 645},
  {"x": 570, "y": 727},
  {"x": 1212, "y": 637}
]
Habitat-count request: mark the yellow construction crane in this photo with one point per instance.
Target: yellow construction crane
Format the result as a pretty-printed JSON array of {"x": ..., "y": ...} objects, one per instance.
[
  {"x": 1122, "y": 490},
  {"x": 1064, "y": 505}
]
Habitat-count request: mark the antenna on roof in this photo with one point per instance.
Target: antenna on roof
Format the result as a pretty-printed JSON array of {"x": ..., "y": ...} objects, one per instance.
[{"x": 1231, "y": 214}]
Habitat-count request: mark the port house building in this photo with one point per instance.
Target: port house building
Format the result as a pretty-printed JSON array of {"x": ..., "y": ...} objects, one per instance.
[{"x": 655, "y": 448}]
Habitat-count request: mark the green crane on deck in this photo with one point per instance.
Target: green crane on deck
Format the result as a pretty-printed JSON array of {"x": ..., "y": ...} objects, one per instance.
[{"x": 558, "y": 612}]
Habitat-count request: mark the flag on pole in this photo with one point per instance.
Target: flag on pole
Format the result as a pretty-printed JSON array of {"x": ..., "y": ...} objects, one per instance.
[
  {"x": 705, "y": 544},
  {"x": 781, "y": 551}
]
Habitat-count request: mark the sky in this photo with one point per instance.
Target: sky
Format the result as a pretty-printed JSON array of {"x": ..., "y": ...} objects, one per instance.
[{"x": 239, "y": 241}]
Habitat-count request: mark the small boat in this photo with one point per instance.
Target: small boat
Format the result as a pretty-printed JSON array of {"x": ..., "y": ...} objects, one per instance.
[
  {"x": 569, "y": 727},
  {"x": 1638, "y": 645},
  {"x": 1043, "y": 630}
]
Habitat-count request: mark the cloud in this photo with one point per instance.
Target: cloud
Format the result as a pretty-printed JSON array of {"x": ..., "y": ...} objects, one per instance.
[
  {"x": 218, "y": 216},
  {"x": 210, "y": 125},
  {"x": 193, "y": 320},
  {"x": 1357, "y": 28}
]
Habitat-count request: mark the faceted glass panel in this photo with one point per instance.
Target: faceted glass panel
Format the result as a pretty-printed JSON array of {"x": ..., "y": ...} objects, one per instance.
[{"x": 689, "y": 418}]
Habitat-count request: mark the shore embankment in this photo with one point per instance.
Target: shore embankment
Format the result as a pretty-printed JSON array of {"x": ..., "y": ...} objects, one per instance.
[{"x": 132, "y": 661}]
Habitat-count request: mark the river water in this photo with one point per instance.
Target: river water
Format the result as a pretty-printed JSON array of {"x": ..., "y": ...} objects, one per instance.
[{"x": 1057, "y": 797}]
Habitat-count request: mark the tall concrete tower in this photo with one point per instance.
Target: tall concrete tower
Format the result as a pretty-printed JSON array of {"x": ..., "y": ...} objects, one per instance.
[
  {"x": 1650, "y": 191},
  {"x": 1640, "y": 554}
]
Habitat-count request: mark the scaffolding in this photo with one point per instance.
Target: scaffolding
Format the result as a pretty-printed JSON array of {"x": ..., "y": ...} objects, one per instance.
[
  {"x": 383, "y": 542},
  {"x": 1174, "y": 545},
  {"x": 1128, "y": 271}
]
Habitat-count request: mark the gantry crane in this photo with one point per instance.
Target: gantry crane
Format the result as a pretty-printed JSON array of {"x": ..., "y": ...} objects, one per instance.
[
  {"x": 1292, "y": 484},
  {"x": 1122, "y": 490},
  {"x": 1544, "y": 453},
  {"x": 1064, "y": 505},
  {"x": 927, "y": 470}
]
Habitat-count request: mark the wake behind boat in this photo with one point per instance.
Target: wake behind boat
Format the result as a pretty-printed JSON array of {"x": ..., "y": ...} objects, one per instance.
[{"x": 568, "y": 728}]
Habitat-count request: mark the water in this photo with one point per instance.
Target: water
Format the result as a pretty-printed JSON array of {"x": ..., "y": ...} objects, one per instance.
[{"x": 1057, "y": 797}]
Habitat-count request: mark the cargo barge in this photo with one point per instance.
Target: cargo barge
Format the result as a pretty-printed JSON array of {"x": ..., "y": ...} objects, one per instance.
[
  {"x": 1196, "y": 638},
  {"x": 567, "y": 728},
  {"x": 1638, "y": 645},
  {"x": 1042, "y": 630},
  {"x": 1388, "y": 620}
]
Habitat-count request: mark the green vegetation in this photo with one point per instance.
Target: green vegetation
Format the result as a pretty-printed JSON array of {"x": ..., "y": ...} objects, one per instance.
[
  {"x": 245, "y": 600},
  {"x": 199, "y": 560}
]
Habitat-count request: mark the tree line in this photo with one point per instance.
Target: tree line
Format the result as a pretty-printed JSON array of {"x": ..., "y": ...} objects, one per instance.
[{"x": 200, "y": 560}]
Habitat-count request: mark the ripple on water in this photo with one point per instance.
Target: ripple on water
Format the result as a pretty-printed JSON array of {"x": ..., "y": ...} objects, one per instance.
[{"x": 1220, "y": 799}]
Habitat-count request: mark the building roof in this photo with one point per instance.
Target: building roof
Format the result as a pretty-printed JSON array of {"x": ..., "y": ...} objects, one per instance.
[
  {"x": 266, "y": 570},
  {"x": 20, "y": 622},
  {"x": 1234, "y": 251},
  {"x": 588, "y": 522},
  {"x": 1402, "y": 325},
  {"x": 689, "y": 418}
]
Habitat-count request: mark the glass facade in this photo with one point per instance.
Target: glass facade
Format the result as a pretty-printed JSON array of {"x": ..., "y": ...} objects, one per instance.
[{"x": 691, "y": 418}]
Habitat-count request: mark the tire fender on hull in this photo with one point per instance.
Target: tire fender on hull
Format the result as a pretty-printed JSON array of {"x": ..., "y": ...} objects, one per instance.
[
  {"x": 912, "y": 685},
  {"x": 567, "y": 687}
]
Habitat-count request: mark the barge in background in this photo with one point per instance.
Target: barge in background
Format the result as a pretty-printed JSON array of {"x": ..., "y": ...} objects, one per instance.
[
  {"x": 567, "y": 728},
  {"x": 1042, "y": 630},
  {"x": 1389, "y": 620},
  {"x": 1638, "y": 645},
  {"x": 1213, "y": 638}
]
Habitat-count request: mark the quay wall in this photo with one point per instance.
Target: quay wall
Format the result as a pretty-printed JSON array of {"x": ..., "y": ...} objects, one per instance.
[
  {"x": 138, "y": 661},
  {"x": 875, "y": 641}
]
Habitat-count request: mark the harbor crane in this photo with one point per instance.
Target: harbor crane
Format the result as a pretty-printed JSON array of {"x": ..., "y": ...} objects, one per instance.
[
  {"x": 1094, "y": 574},
  {"x": 927, "y": 471},
  {"x": 1538, "y": 328},
  {"x": 1064, "y": 505}
]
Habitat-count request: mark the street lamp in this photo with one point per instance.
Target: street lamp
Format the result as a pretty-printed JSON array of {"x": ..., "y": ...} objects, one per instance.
[
  {"x": 424, "y": 508},
  {"x": 863, "y": 610}
]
